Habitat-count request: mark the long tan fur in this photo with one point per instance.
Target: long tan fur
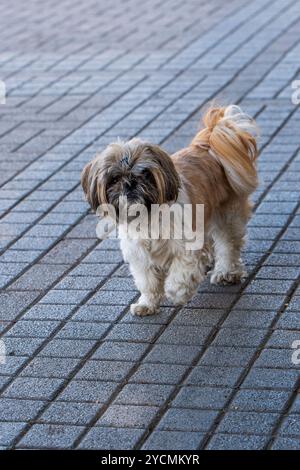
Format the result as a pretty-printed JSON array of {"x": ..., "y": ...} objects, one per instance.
[{"x": 230, "y": 137}]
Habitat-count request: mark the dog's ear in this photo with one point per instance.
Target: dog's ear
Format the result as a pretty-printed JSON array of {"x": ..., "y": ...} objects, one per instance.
[
  {"x": 85, "y": 177},
  {"x": 165, "y": 174},
  {"x": 89, "y": 185}
]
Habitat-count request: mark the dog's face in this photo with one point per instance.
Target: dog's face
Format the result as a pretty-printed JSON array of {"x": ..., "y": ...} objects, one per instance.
[{"x": 142, "y": 172}]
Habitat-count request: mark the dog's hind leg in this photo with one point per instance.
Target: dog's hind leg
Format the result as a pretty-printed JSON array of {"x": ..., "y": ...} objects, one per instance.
[
  {"x": 228, "y": 234},
  {"x": 185, "y": 274}
]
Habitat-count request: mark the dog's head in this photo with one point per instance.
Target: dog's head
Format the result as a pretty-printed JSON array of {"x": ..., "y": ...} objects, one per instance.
[{"x": 142, "y": 172}]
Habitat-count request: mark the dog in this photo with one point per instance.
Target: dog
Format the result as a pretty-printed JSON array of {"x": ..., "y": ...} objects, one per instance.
[{"x": 217, "y": 170}]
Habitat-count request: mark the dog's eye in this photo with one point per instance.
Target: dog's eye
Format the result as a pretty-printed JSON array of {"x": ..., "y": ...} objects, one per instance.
[
  {"x": 114, "y": 180},
  {"x": 146, "y": 173}
]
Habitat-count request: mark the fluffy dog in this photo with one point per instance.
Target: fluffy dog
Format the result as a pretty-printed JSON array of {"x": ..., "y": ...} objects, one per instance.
[{"x": 217, "y": 170}]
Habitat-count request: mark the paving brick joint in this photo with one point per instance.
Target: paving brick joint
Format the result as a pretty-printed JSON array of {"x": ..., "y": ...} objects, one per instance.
[{"x": 76, "y": 370}]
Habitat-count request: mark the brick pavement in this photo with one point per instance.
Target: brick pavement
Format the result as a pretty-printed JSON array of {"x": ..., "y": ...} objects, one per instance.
[{"x": 80, "y": 371}]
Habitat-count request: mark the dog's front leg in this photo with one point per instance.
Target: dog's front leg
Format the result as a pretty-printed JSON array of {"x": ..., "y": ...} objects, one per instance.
[
  {"x": 148, "y": 278},
  {"x": 184, "y": 276}
]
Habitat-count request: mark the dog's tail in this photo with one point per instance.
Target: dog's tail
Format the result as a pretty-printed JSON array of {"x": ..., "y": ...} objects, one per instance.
[{"x": 230, "y": 137}]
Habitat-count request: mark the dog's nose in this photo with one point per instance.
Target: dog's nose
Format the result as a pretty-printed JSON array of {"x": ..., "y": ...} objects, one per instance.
[{"x": 128, "y": 186}]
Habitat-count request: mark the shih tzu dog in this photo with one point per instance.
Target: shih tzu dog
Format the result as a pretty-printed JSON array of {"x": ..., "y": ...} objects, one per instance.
[{"x": 217, "y": 170}]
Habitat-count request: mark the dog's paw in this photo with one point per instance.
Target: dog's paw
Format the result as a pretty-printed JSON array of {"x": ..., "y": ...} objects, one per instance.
[
  {"x": 142, "y": 310},
  {"x": 228, "y": 277},
  {"x": 179, "y": 296}
]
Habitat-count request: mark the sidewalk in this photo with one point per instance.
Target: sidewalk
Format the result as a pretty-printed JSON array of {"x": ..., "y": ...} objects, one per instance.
[{"x": 80, "y": 371}]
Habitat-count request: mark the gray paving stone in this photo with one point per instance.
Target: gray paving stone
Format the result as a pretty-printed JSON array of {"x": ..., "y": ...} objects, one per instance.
[
  {"x": 122, "y": 271},
  {"x": 257, "y": 302},
  {"x": 12, "y": 304},
  {"x": 278, "y": 272},
  {"x": 201, "y": 397},
  {"x": 4, "y": 280},
  {"x": 39, "y": 277},
  {"x": 213, "y": 301},
  {"x": 239, "y": 337},
  {"x": 173, "y": 440},
  {"x": 133, "y": 332},
  {"x": 22, "y": 346},
  {"x": 33, "y": 388},
  {"x": 21, "y": 256},
  {"x": 296, "y": 405},
  {"x": 276, "y": 358},
  {"x": 67, "y": 251},
  {"x": 12, "y": 364},
  {"x": 105, "y": 370},
  {"x": 4, "y": 325},
  {"x": 49, "y": 367},
  {"x": 80, "y": 282},
  {"x": 107, "y": 256},
  {"x": 67, "y": 348},
  {"x": 177, "y": 334},
  {"x": 163, "y": 317},
  {"x": 235, "y": 422},
  {"x": 11, "y": 269},
  {"x": 172, "y": 354},
  {"x": 45, "y": 436},
  {"x": 93, "y": 270},
  {"x": 144, "y": 394},
  {"x": 28, "y": 328},
  {"x": 88, "y": 391},
  {"x": 69, "y": 413},
  {"x": 120, "y": 351},
  {"x": 287, "y": 246},
  {"x": 48, "y": 312},
  {"x": 282, "y": 339},
  {"x": 19, "y": 410},
  {"x": 107, "y": 438},
  {"x": 237, "y": 442},
  {"x": 101, "y": 313},
  {"x": 290, "y": 426},
  {"x": 249, "y": 319},
  {"x": 279, "y": 259},
  {"x": 64, "y": 297},
  {"x": 158, "y": 373},
  {"x": 9, "y": 431},
  {"x": 271, "y": 286},
  {"x": 128, "y": 416},
  {"x": 227, "y": 356},
  {"x": 199, "y": 317},
  {"x": 260, "y": 400},
  {"x": 270, "y": 220},
  {"x": 80, "y": 330},
  {"x": 4, "y": 380},
  {"x": 294, "y": 304},
  {"x": 286, "y": 443},
  {"x": 271, "y": 378},
  {"x": 108, "y": 297},
  {"x": 187, "y": 420},
  {"x": 214, "y": 376},
  {"x": 120, "y": 283}
]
